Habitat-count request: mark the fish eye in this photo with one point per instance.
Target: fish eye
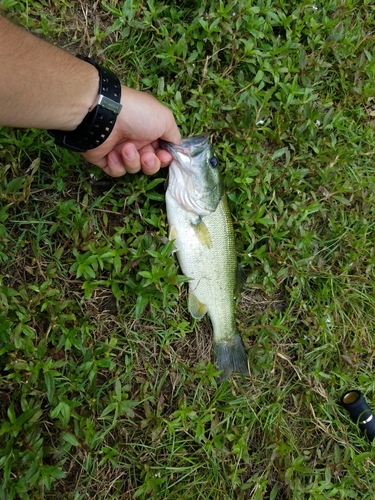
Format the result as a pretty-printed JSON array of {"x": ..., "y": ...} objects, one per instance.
[{"x": 213, "y": 162}]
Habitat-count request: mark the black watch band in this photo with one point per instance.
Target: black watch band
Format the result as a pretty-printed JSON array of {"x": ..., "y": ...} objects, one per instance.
[{"x": 99, "y": 122}]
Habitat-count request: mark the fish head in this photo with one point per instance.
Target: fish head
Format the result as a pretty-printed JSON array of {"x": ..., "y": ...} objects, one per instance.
[{"x": 194, "y": 176}]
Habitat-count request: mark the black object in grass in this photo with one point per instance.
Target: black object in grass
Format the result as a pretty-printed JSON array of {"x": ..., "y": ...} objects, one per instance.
[{"x": 360, "y": 412}]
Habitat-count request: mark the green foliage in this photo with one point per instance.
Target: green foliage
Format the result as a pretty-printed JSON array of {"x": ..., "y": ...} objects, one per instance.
[{"x": 107, "y": 386}]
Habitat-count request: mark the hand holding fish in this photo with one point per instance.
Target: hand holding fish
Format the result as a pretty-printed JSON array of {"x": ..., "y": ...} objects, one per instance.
[{"x": 134, "y": 142}]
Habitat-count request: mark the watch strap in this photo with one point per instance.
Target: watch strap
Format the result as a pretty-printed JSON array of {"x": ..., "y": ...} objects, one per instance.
[{"x": 98, "y": 124}]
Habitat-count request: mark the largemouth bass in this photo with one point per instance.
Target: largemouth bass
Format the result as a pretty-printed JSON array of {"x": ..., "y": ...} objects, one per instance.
[{"x": 201, "y": 227}]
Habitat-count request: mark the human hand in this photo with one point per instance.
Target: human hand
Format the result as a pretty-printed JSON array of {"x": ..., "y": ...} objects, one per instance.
[{"x": 134, "y": 142}]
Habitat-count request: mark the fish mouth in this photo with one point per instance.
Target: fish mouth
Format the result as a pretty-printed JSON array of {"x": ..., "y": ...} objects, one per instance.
[
  {"x": 191, "y": 146},
  {"x": 196, "y": 141}
]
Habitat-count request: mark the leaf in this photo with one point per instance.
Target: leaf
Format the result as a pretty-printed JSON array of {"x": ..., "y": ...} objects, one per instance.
[
  {"x": 203, "y": 23},
  {"x": 22, "y": 419},
  {"x": 117, "y": 263},
  {"x": 278, "y": 153},
  {"x": 200, "y": 432},
  {"x": 108, "y": 409},
  {"x": 55, "y": 412},
  {"x": 62, "y": 409},
  {"x": 11, "y": 414},
  {"x": 28, "y": 331},
  {"x": 65, "y": 412},
  {"x": 80, "y": 270},
  {"x": 142, "y": 301},
  {"x": 89, "y": 272},
  {"x": 118, "y": 388},
  {"x": 70, "y": 438},
  {"x": 116, "y": 290},
  {"x": 50, "y": 385},
  {"x": 154, "y": 183},
  {"x": 145, "y": 274},
  {"x": 3, "y": 212},
  {"x": 15, "y": 184},
  {"x": 259, "y": 76},
  {"x": 155, "y": 196}
]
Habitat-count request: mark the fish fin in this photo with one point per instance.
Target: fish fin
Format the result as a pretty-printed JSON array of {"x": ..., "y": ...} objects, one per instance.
[
  {"x": 202, "y": 233},
  {"x": 173, "y": 233},
  {"x": 240, "y": 280},
  {"x": 196, "y": 308},
  {"x": 173, "y": 237},
  {"x": 231, "y": 357}
]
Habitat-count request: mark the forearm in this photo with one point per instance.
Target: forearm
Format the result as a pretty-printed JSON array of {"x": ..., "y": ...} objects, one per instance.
[{"x": 42, "y": 86}]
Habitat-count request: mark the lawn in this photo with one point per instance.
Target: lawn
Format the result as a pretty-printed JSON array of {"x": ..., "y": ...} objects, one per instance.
[{"x": 107, "y": 384}]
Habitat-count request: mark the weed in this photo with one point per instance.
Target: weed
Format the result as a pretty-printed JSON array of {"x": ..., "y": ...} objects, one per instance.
[{"x": 107, "y": 386}]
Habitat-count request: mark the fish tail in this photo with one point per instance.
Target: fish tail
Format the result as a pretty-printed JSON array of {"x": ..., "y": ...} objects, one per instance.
[{"x": 231, "y": 357}]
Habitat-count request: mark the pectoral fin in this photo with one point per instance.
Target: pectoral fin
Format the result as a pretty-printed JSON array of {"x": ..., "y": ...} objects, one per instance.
[
  {"x": 202, "y": 233},
  {"x": 196, "y": 308},
  {"x": 173, "y": 237}
]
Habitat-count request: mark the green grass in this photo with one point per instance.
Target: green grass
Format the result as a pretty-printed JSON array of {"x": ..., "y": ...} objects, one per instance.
[{"x": 107, "y": 386}]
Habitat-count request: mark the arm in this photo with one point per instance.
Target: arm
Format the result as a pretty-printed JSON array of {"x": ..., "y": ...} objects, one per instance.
[
  {"x": 45, "y": 87},
  {"x": 42, "y": 86}
]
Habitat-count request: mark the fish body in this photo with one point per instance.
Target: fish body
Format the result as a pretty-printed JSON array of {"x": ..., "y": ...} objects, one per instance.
[{"x": 202, "y": 230}]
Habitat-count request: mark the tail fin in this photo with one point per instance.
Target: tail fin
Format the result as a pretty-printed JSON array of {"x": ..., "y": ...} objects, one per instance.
[{"x": 231, "y": 357}]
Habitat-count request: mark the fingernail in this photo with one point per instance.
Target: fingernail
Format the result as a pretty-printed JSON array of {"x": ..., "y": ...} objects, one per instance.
[
  {"x": 130, "y": 153},
  {"x": 115, "y": 159},
  {"x": 150, "y": 162}
]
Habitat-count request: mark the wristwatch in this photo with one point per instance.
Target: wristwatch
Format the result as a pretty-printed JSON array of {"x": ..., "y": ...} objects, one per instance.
[{"x": 99, "y": 122}]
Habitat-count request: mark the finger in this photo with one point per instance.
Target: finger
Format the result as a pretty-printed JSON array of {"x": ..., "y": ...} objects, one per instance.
[
  {"x": 172, "y": 133},
  {"x": 91, "y": 158},
  {"x": 175, "y": 134},
  {"x": 150, "y": 163},
  {"x": 165, "y": 158},
  {"x": 130, "y": 158},
  {"x": 114, "y": 165}
]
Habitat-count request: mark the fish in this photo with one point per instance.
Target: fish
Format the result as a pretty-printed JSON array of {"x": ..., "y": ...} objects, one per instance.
[{"x": 201, "y": 228}]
